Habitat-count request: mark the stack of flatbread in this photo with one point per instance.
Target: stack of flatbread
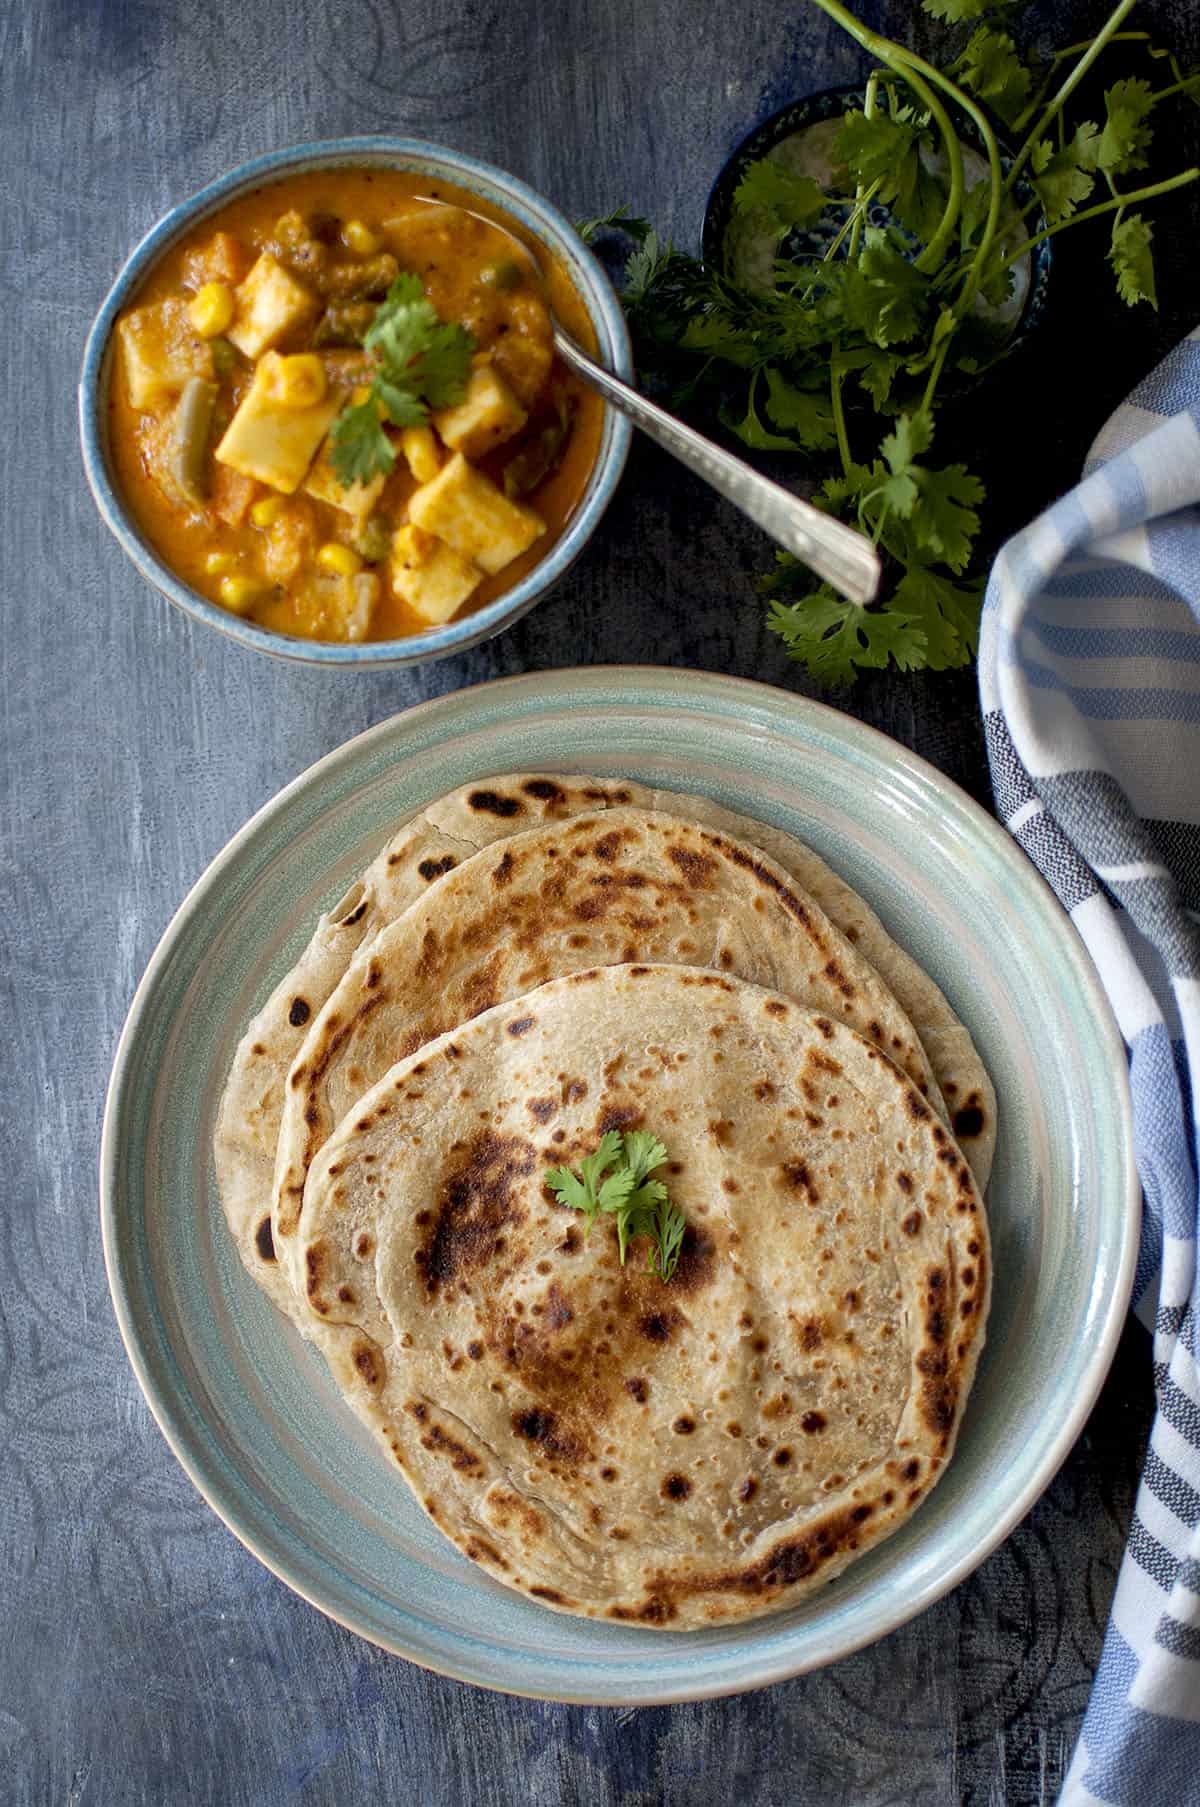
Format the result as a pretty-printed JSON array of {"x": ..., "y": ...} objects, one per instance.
[{"x": 534, "y": 962}]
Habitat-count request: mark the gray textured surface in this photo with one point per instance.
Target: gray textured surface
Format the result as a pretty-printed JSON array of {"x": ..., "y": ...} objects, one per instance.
[{"x": 144, "y": 1656}]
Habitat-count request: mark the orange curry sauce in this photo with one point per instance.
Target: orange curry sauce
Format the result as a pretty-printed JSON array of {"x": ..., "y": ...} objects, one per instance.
[{"x": 412, "y": 218}]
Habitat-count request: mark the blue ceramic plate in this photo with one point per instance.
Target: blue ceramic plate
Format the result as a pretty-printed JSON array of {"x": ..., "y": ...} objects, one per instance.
[{"x": 249, "y": 1409}]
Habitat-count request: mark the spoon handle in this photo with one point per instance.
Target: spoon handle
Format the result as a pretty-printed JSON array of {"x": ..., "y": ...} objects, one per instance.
[{"x": 839, "y": 554}]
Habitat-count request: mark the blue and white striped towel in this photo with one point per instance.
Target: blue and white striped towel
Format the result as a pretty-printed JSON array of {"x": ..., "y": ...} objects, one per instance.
[{"x": 1089, "y": 670}]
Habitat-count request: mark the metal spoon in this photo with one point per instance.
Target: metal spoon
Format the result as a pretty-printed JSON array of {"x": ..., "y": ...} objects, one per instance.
[
  {"x": 839, "y": 554},
  {"x": 842, "y": 556}
]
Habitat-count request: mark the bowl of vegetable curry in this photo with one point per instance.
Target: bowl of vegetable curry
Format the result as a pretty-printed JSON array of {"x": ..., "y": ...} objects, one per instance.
[{"x": 321, "y": 408}]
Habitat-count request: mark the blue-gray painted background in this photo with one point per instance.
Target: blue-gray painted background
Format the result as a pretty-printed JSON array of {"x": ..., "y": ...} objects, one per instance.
[{"x": 144, "y": 1656}]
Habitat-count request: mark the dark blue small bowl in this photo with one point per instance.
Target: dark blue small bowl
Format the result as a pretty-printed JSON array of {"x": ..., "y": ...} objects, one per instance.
[
  {"x": 504, "y": 191},
  {"x": 815, "y": 109}
]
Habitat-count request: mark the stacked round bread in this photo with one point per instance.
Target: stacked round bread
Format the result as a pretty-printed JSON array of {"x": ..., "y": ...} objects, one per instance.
[{"x": 535, "y": 964}]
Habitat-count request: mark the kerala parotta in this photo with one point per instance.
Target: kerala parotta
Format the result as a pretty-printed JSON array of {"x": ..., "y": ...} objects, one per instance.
[
  {"x": 672, "y": 1453},
  {"x": 616, "y": 886},
  {"x": 453, "y": 828}
]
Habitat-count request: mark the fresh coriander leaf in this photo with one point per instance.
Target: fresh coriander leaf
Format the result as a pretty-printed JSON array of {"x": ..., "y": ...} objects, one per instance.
[
  {"x": 908, "y": 440},
  {"x": 421, "y": 361},
  {"x": 605, "y": 1154},
  {"x": 945, "y": 521},
  {"x": 1133, "y": 261},
  {"x": 1125, "y": 139},
  {"x": 887, "y": 298},
  {"x": 716, "y": 336},
  {"x": 644, "y": 265},
  {"x": 958, "y": 12},
  {"x": 789, "y": 199},
  {"x": 835, "y": 639},
  {"x": 670, "y": 1226},
  {"x": 588, "y": 1191},
  {"x": 619, "y": 220},
  {"x": 920, "y": 198},
  {"x": 897, "y": 494},
  {"x": 614, "y": 1190},
  {"x": 401, "y": 406},
  {"x": 416, "y": 349},
  {"x": 995, "y": 278},
  {"x": 1062, "y": 179},
  {"x": 615, "y": 1179},
  {"x": 359, "y": 449},
  {"x": 804, "y": 413},
  {"x": 875, "y": 370},
  {"x": 644, "y": 1152},
  {"x": 991, "y": 68},
  {"x": 571, "y": 1190},
  {"x": 404, "y": 290},
  {"x": 897, "y": 489},
  {"x": 976, "y": 203},
  {"x": 751, "y": 431},
  {"x": 871, "y": 150},
  {"x": 885, "y": 152},
  {"x": 837, "y": 494},
  {"x": 948, "y": 614}
]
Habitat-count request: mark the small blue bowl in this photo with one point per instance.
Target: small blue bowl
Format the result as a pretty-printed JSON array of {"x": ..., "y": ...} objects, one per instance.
[
  {"x": 504, "y": 191},
  {"x": 1029, "y": 306}
]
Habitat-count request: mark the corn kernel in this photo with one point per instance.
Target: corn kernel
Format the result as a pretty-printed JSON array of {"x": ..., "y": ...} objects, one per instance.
[
  {"x": 238, "y": 593},
  {"x": 360, "y": 238},
  {"x": 420, "y": 452},
  {"x": 218, "y": 563},
  {"x": 211, "y": 310},
  {"x": 266, "y": 512},
  {"x": 295, "y": 382},
  {"x": 339, "y": 559}
]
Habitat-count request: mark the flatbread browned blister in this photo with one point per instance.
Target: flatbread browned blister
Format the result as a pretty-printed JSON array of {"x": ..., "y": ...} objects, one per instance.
[
  {"x": 618, "y": 885},
  {"x": 454, "y": 829},
  {"x": 414, "y": 858},
  {"x": 679, "y": 1453}
]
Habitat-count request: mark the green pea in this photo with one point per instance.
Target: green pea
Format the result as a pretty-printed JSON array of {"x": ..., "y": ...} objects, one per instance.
[
  {"x": 503, "y": 276},
  {"x": 373, "y": 540}
]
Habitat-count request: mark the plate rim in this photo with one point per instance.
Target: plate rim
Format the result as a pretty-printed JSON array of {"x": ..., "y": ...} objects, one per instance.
[{"x": 840, "y": 724}]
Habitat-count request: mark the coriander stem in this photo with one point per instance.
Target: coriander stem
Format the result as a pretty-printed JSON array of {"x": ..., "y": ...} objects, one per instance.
[
  {"x": 1060, "y": 56},
  {"x": 1185, "y": 81},
  {"x": 912, "y": 69},
  {"x": 934, "y": 374},
  {"x": 1107, "y": 32},
  {"x": 852, "y": 221},
  {"x": 1118, "y": 37},
  {"x": 1091, "y": 213},
  {"x": 836, "y": 377},
  {"x": 934, "y": 251},
  {"x": 859, "y": 198},
  {"x": 995, "y": 173}
]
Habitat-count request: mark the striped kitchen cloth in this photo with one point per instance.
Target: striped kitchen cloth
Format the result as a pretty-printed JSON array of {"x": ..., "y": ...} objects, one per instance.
[{"x": 1089, "y": 672}]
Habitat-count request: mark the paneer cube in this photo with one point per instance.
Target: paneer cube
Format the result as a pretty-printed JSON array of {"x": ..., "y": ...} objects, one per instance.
[
  {"x": 222, "y": 258},
  {"x": 364, "y": 596},
  {"x": 488, "y": 414},
  {"x": 421, "y": 453},
  {"x": 323, "y": 482},
  {"x": 429, "y": 575},
  {"x": 161, "y": 352},
  {"x": 272, "y": 442},
  {"x": 464, "y": 508},
  {"x": 231, "y": 495},
  {"x": 269, "y": 304}
]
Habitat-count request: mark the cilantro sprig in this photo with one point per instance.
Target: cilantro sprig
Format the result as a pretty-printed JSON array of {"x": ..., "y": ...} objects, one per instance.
[
  {"x": 420, "y": 362},
  {"x": 846, "y": 349},
  {"x": 616, "y": 1179}
]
